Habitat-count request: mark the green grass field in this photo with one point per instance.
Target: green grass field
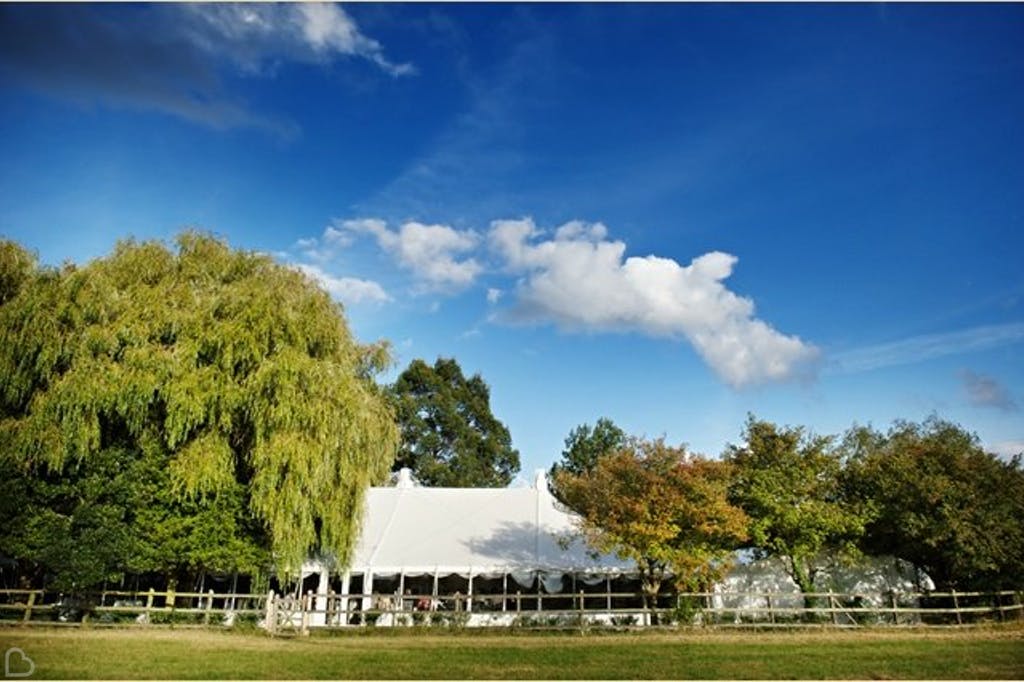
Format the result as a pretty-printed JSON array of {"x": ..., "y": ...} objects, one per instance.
[{"x": 996, "y": 653}]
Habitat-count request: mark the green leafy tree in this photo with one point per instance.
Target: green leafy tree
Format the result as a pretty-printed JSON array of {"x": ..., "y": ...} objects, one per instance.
[
  {"x": 584, "y": 446},
  {"x": 117, "y": 512},
  {"x": 662, "y": 507},
  {"x": 449, "y": 437},
  {"x": 229, "y": 384},
  {"x": 69, "y": 531},
  {"x": 789, "y": 485},
  {"x": 943, "y": 503}
]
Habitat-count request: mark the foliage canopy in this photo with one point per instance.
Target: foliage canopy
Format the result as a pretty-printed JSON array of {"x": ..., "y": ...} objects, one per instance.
[
  {"x": 449, "y": 437},
  {"x": 584, "y": 446},
  {"x": 219, "y": 376},
  {"x": 662, "y": 507},
  {"x": 943, "y": 503},
  {"x": 789, "y": 484}
]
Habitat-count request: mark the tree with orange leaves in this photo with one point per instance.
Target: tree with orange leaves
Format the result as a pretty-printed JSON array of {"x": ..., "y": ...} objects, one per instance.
[{"x": 662, "y": 507}]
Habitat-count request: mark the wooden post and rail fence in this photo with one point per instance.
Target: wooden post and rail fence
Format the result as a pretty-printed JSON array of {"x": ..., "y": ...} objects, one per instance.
[{"x": 302, "y": 612}]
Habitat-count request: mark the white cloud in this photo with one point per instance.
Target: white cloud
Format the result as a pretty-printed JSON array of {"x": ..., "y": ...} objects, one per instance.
[
  {"x": 251, "y": 33},
  {"x": 327, "y": 27},
  {"x": 429, "y": 251},
  {"x": 985, "y": 391},
  {"x": 493, "y": 296},
  {"x": 348, "y": 290},
  {"x": 576, "y": 229},
  {"x": 579, "y": 280}
]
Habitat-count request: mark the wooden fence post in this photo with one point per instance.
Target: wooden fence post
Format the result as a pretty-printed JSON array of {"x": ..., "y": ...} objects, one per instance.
[
  {"x": 583, "y": 617},
  {"x": 271, "y": 613},
  {"x": 28, "y": 606},
  {"x": 832, "y": 608},
  {"x": 519, "y": 601},
  {"x": 305, "y": 604},
  {"x": 771, "y": 610},
  {"x": 149, "y": 603},
  {"x": 209, "y": 605},
  {"x": 895, "y": 608}
]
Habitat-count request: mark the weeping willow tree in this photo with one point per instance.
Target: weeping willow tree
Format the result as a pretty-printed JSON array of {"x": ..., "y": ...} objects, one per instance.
[{"x": 236, "y": 376}]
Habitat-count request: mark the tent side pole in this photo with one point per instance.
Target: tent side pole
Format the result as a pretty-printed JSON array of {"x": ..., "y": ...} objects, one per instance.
[
  {"x": 401, "y": 591},
  {"x": 346, "y": 585},
  {"x": 320, "y": 608},
  {"x": 367, "y": 591}
]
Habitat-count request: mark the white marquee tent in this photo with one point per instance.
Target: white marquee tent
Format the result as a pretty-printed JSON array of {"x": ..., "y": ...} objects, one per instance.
[
  {"x": 466, "y": 531},
  {"x": 510, "y": 533}
]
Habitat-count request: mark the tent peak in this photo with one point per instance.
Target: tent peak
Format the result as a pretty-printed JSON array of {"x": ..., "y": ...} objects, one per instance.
[
  {"x": 540, "y": 480},
  {"x": 405, "y": 479}
]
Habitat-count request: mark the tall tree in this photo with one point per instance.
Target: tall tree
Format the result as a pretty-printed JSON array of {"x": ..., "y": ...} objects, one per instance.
[
  {"x": 662, "y": 507},
  {"x": 789, "y": 485},
  {"x": 449, "y": 437},
  {"x": 943, "y": 503},
  {"x": 235, "y": 376},
  {"x": 584, "y": 446}
]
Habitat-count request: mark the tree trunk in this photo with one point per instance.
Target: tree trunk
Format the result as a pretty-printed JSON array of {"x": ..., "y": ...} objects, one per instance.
[
  {"x": 803, "y": 576},
  {"x": 651, "y": 601},
  {"x": 650, "y": 584}
]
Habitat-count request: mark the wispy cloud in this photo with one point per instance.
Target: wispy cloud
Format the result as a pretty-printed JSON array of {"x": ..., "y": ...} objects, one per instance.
[
  {"x": 253, "y": 33},
  {"x": 481, "y": 148},
  {"x": 172, "y": 58},
  {"x": 1006, "y": 448},
  {"x": 325, "y": 248},
  {"x": 925, "y": 347},
  {"x": 581, "y": 281},
  {"x": 986, "y": 391}
]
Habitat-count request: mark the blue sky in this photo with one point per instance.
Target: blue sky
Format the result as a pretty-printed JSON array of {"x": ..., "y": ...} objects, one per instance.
[{"x": 669, "y": 215}]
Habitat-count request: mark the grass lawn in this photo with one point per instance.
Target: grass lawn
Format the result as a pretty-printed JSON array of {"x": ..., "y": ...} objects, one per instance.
[{"x": 996, "y": 653}]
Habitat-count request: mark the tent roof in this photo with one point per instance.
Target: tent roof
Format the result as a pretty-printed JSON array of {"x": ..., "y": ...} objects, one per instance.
[{"x": 413, "y": 530}]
